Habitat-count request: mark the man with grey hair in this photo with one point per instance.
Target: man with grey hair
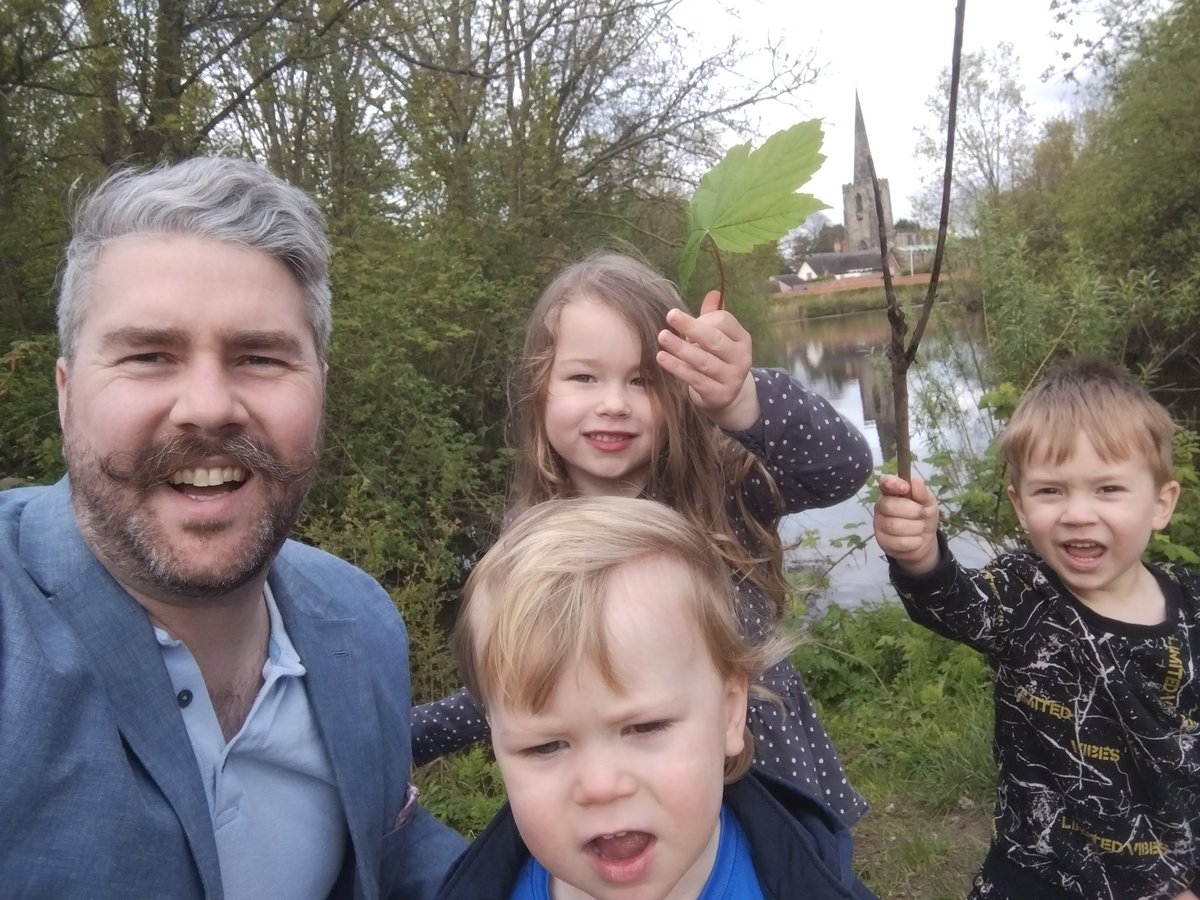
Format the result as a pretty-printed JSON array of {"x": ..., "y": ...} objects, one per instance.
[{"x": 192, "y": 705}]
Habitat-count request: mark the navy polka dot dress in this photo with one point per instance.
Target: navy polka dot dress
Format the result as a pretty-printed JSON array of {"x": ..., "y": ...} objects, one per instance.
[{"x": 816, "y": 459}]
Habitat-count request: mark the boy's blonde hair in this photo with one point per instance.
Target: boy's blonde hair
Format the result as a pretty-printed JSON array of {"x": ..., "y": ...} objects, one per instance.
[
  {"x": 1096, "y": 398},
  {"x": 534, "y": 606},
  {"x": 695, "y": 463}
]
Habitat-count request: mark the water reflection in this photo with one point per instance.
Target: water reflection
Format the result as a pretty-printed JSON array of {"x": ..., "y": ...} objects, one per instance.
[{"x": 842, "y": 358}]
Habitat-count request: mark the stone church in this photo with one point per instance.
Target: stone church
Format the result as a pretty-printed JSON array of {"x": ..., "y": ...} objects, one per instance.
[
  {"x": 858, "y": 254},
  {"x": 858, "y": 198}
]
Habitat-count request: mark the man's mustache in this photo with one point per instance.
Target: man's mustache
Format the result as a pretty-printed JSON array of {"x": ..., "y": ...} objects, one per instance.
[{"x": 155, "y": 465}]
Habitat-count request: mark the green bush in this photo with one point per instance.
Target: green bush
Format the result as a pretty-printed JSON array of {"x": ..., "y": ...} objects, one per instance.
[
  {"x": 906, "y": 708},
  {"x": 30, "y": 444},
  {"x": 464, "y": 790}
]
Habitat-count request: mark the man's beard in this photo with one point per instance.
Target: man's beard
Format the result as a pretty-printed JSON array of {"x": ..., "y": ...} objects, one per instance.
[{"x": 111, "y": 495}]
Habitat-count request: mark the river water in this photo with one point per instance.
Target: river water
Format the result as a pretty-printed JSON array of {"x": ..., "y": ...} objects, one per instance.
[{"x": 842, "y": 358}]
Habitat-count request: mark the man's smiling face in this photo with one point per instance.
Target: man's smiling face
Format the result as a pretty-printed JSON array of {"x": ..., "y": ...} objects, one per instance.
[{"x": 191, "y": 412}]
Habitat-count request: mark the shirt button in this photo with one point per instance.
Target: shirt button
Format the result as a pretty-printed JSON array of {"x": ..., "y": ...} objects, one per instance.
[{"x": 184, "y": 697}]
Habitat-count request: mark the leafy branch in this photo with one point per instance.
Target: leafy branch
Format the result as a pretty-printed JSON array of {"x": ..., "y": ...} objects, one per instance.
[{"x": 750, "y": 197}]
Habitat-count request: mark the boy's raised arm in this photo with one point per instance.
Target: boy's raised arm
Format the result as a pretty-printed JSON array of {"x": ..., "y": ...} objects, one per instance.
[{"x": 906, "y": 521}]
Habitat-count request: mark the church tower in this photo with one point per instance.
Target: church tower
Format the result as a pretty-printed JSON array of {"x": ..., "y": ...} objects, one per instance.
[{"x": 858, "y": 197}]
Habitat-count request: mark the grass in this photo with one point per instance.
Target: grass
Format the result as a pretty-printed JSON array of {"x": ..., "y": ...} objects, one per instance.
[{"x": 911, "y": 716}]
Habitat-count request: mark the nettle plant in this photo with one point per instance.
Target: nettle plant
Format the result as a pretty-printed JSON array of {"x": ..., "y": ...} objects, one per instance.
[{"x": 751, "y": 197}]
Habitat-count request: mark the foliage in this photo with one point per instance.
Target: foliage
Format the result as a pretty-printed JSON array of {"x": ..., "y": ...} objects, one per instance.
[
  {"x": 1036, "y": 206},
  {"x": 907, "y": 691},
  {"x": 1035, "y": 315},
  {"x": 464, "y": 790},
  {"x": 1136, "y": 190},
  {"x": 750, "y": 197},
  {"x": 1098, "y": 34},
  {"x": 1179, "y": 542},
  {"x": 1096, "y": 247},
  {"x": 911, "y": 715},
  {"x": 992, "y": 137},
  {"x": 29, "y": 442}
]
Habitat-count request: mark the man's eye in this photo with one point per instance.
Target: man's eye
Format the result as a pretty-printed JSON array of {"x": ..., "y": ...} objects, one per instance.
[
  {"x": 144, "y": 358},
  {"x": 263, "y": 361}
]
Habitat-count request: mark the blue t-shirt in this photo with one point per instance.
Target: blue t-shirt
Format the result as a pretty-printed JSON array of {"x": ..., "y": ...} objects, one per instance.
[{"x": 732, "y": 876}]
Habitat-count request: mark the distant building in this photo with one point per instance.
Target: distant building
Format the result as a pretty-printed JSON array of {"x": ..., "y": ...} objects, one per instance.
[
  {"x": 858, "y": 198},
  {"x": 859, "y": 254},
  {"x": 846, "y": 264},
  {"x": 787, "y": 282}
]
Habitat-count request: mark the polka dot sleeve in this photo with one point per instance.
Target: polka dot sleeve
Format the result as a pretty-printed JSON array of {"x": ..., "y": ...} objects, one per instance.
[
  {"x": 816, "y": 457},
  {"x": 443, "y": 726}
]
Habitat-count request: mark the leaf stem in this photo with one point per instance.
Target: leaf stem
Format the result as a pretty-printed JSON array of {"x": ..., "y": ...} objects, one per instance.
[{"x": 716, "y": 254}]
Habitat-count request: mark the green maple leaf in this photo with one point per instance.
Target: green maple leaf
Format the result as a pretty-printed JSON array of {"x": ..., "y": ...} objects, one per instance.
[{"x": 750, "y": 197}]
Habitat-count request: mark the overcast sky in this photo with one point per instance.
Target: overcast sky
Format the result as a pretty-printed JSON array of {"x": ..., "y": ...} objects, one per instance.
[{"x": 890, "y": 52}]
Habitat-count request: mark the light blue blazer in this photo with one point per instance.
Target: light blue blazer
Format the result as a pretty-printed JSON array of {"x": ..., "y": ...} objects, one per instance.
[{"x": 100, "y": 794}]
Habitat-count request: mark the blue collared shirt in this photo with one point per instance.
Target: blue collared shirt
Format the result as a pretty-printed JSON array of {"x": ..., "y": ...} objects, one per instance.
[{"x": 276, "y": 811}]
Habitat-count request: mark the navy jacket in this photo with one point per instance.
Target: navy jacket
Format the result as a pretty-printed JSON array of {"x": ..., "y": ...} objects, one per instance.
[
  {"x": 100, "y": 794},
  {"x": 799, "y": 847}
]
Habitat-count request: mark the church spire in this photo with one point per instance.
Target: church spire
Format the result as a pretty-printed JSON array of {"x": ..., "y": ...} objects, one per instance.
[
  {"x": 862, "y": 150},
  {"x": 858, "y": 197}
]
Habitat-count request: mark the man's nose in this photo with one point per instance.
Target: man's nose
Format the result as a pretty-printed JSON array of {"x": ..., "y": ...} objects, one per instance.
[{"x": 208, "y": 398}]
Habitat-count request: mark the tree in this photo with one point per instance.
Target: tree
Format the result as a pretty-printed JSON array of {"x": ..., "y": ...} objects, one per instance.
[
  {"x": 831, "y": 238},
  {"x": 462, "y": 150},
  {"x": 1036, "y": 204},
  {"x": 1135, "y": 197},
  {"x": 1097, "y": 248},
  {"x": 993, "y": 134},
  {"x": 1098, "y": 34},
  {"x": 803, "y": 240}
]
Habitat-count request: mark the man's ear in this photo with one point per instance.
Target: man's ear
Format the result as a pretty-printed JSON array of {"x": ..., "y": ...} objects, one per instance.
[{"x": 61, "y": 372}]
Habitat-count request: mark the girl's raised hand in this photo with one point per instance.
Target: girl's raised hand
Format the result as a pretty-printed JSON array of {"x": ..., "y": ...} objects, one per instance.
[{"x": 713, "y": 359}]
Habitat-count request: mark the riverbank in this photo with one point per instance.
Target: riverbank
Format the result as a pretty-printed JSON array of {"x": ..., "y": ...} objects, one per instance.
[{"x": 853, "y": 295}]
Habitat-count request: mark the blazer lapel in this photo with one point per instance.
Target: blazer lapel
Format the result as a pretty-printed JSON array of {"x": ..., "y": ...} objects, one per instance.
[
  {"x": 343, "y": 704},
  {"x": 118, "y": 637}
]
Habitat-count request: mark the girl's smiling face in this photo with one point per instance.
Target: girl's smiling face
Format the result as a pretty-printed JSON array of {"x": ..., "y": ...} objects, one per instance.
[{"x": 599, "y": 411}]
